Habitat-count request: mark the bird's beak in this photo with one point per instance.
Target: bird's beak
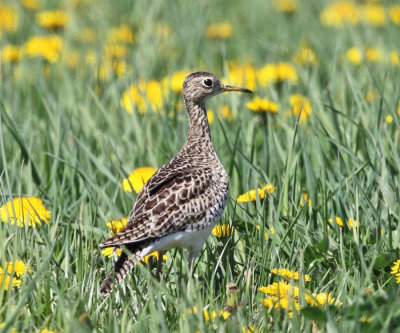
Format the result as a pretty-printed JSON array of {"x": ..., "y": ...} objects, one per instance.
[{"x": 233, "y": 88}]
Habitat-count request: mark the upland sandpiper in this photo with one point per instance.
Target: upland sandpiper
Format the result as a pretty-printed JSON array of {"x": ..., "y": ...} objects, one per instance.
[{"x": 180, "y": 204}]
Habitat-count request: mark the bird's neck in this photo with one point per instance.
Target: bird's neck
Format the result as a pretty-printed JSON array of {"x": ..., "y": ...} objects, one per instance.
[{"x": 199, "y": 130}]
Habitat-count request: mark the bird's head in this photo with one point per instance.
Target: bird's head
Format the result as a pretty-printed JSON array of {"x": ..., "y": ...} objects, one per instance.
[{"x": 200, "y": 86}]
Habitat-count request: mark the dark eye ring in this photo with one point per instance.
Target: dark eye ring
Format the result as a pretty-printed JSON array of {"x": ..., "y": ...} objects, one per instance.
[{"x": 208, "y": 82}]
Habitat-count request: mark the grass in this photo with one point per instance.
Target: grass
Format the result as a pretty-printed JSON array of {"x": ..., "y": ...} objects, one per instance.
[{"x": 65, "y": 138}]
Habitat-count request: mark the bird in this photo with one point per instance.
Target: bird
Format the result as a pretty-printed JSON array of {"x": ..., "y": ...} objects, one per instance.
[{"x": 180, "y": 204}]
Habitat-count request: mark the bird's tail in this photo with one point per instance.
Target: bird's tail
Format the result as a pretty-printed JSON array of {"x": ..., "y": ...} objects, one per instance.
[{"x": 123, "y": 266}]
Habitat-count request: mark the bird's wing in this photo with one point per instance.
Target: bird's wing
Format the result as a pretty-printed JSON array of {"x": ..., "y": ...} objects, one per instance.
[{"x": 168, "y": 203}]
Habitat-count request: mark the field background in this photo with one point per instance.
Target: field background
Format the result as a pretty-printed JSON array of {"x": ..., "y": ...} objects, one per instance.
[{"x": 66, "y": 138}]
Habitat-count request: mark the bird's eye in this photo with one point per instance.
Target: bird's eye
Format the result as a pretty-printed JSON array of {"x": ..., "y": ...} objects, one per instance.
[{"x": 208, "y": 82}]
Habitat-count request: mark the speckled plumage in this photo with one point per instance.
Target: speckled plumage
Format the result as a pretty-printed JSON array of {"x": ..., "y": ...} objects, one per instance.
[{"x": 180, "y": 204}]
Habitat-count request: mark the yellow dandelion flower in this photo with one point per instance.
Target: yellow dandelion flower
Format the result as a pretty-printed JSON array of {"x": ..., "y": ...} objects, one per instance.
[
  {"x": 304, "y": 199},
  {"x": 48, "y": 47},
  {"x": 154, "y": 255},
  {"x": 243, "y": 75},
  {"x": 177, "y": 81},
  {"x": 374, "y": 14},
  {"x": 52, "y": 19},
  {"x": 21, "y": 210},
  {"x": 352, "y": 223},
  {"x": 6, "y": 281},
  {"x": 371, "y": 95},
  {"x": 285, "y": 6},
  {"x": 321, "y": 299},
  {"x": 207, "y": 316},
  {"x": 281, "y": 288},
  {"x": 396, "y": 270},
  {"x": 394, "y": 13},
  {"x": 132, "y": 99},
  {"x": 301, "y": 104},
  {"x": 394, "y": 58},
  {"x": 354, "y": 55},
  {"x": 365, "y": 319},
  {"x": 222, "y": 30},
  {"x": 295, "y": 275},
  {"x": 137, "y": 179},
  {"x": 117, "y": 226},
  {"x": 123, "y": 34},
  {"x": 374, "y": 54},
  {"x": 305, "y": 56},
  {"x": 389, "y": 119},
  {"x": 340, "y": 13},
  {"x": 11, "y": 53},
  {"x": 45, "y": 330},
  {"x": 227, "y": 112},
  {"x": 8, "y": 18},
  {"x": 153, "y": 91},
  {"x": 109, "y": 252},
  {"x": 338, "y": 221},
  {"x": 223, "y": 230},
  {"x": 262, "y": 104},
  {"x": 224, "y": 314},
  {"x": 286, "y": 72},
  {"x": 210, "y": 116},
  {"x": 251, "y": 195},
  {"x": 18, "y": 267},
  {"x": 248, "y": 329},
  {"x": 30, "y": 4},
  {"x": 115, "y": 50}
]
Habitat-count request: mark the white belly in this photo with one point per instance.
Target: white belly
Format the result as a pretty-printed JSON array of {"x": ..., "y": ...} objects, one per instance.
[{"x": 191, "y": 240}]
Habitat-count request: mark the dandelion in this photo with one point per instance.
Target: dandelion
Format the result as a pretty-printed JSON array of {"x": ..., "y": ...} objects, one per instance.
[
  {"x": 137, "y": 179},
  {"x": 398, "y": 108},
  {"x": 131, "y": 98},
  {"x": 340, "y": 13},
  {"x": 18, "y": 267},
  {"x": 304, "y": 199},
  {"x": 365, "y": 319},
  {"x": 389, "y": 119},
  {"x": 207, "y": 315},
  {"x": 263, "y": 105},
  {"x": 227, "y": 112},
  {"x": 373, "y": 54},
  {"x": 338, "y": 221},
  {"x": 286, "y": 72},
  {"x": 295, "y": 275},
  {"x": 371, "y": 95},
  {"x": 251, "y": 195},
  {"x": 45, "y": 330},
  {"x": 321, "y": 299},
  {"x": 155, "y": 255},
  {"x": 243, "y": 75},
  {"x": 396, "y": 270},
  {"x": 115, "y": 51},
  {"x": 223, "y": 230},
  {"x": 8, "y": 281},
  {"x": 30, "y": 4},
  {"x": 285, "y": 6},
  {"x": 210, "y": 116},
  {"x": 224, "y": 314},
  {"x": 117, "y": 226},
  {"x": 352, "y": 223},
  {"x": 122, "y": 34},
  {"x": 374, "y": 14},
  {"x": 249, "y": 329},
  {"x": 48, "y": 47},
  {"x": 21, "y": 210},
  {"x": 8, "y": 18},
  {"x": 177, "y": 81},
  {"x": 52, "y": 19},
  {"x": 110, "y": 251},
  {"x": 394, "y": 13},
  {"x": 354, "y": 55},
  {"x": 305, "y": 56},
  {"x": 301, "y": 104},
  {"x": 222, "y": 30},
  {"x": 394, "y": 58},
  {"x": 11, "y": 53}
]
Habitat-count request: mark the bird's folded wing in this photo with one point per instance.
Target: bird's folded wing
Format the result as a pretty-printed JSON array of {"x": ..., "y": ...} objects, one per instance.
[{"x": 168, "y": 203}]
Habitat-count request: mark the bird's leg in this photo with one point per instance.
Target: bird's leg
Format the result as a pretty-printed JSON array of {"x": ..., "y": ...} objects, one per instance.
[{"x": 159, "y": 264}]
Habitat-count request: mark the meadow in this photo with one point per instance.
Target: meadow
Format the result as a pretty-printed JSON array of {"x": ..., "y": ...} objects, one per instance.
[{"x": 90, "y": 95}]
